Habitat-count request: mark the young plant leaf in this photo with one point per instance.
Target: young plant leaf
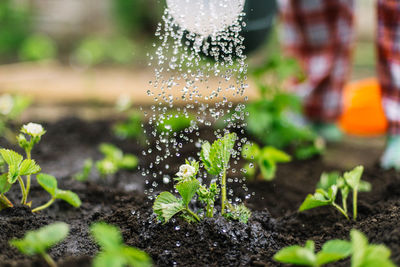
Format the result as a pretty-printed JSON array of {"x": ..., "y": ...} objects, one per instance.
[
  {"x": 251, "y": 151},
  {"x": 187, "y": 190},
  {"x": 319, "y": 198},
  {"x": 83, "y": 175},
  {"x": 166, "y": 206},
  {"x": 39, "y": 241},
  {"x": 111, "y": 151},
  {"x": 216, "y": 156},
  {"x": 333, "y": 251},
  {"x": 113, "y": 251},
  {"x": 48, "y": 182},
  {"x": 28, "y": 167},
  {"x": 298, "y": 255},
  {"x": 69, "y": 197},
  {"x": 4, "y": 184},
  {"x": 353, "y": 177},
  {"x": 366, "y": 255},
  {"x": 13, "y": 160},
  {"x": 128, "y": 162}
]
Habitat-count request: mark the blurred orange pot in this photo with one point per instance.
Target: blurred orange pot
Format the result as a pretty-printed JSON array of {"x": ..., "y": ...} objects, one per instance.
[{"x": 363, "y": 113}]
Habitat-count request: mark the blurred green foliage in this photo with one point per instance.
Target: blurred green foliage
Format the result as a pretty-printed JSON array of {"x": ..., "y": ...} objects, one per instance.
[{"x": 38, "y": 47}]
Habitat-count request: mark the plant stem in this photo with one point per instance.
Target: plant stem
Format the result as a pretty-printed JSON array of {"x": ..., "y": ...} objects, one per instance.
[
  {"x": 355, "y": 191},
  {"x": 341, "y": 210},
  {"x": 5, "y": 202},
  {"x": 28, "y": 177},
  {"x": 210, "y": 210},
  {"x": 44, "y": 206},
  {"x": 22, "y": 185},
  {"x": 193, "y": 214},
  {"x": 344, "y": 201},
  {"x": 49, "y": 260},
  {"x": 223, "y": 192}
]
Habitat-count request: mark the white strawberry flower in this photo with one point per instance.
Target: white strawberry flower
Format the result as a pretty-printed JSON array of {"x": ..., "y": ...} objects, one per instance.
[
  {"x": 33, "y": 129},
  {"x": 186, "y": 171}
]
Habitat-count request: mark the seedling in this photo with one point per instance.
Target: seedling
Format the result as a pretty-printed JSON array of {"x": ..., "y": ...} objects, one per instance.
[
  {"x": 113, "y": 251},
  {"x": 30, "y": 135},
  {"x": 83, "y": 175},
  {"x": 365, "y": 254},
  {"x": 174, "y": 122},
  {"x": 114, "y": 160},
  {"x": 17, "y": 167},
  {"x": 351, "y": 181},
  {"x": 49, "y": 183},
  {"x": 332, "y": 251},
  {"x": 39, "y": 241},
  {"x": 265, "y": 159},
  {"x": 167, "y": 205},
  {"x": 362, "y": 253},
  {"x": 216, "y": 158}
]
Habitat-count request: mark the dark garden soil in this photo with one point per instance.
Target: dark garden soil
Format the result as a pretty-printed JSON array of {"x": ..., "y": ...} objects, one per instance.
[{"x": 120, "y": 200}]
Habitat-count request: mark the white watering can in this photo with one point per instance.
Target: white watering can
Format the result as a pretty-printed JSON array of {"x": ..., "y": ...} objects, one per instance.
[{"x": 205, "y": 17}]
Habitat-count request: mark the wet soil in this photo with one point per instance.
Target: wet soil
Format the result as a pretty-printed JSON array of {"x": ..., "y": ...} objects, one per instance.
[{"x": 119, "y": 200}]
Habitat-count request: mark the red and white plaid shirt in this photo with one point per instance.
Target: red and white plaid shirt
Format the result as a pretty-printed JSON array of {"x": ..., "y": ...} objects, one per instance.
[{"x": 320, "y": 34}]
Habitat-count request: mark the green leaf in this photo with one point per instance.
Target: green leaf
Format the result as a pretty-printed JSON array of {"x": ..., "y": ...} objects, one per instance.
[
  {"x": 107, "y": 236},
  {"x": 109, "y": 258},
  {"x": 128, "y": 162},
  {"x": 111, "y": 151},
  {"x": 251, "y": 152},
  {"x": 136, "y": 257},
  {"x": 364, "y": 186},
  {"x": 48, "y": 182},
  {"x": 366, "y": 255},
  {"x": 11, "y": 157},
  {"x": 39, "y": 241},
  {"x": 334, "y": 250},
  {"x": 107, "y": 166},
  {"x": 359, "y": 243},
  {"x": 275, "y": 154},
  {"x": 187, "y": 190},
  {"x": 297, "y": 255},
  {"x": 69, "y": 197},
  {"x": 319, "y": 198},
  {"x": 267, "y": 168},
  {"x": 205, "y": 155},
  {"x": 28, "y": 167},
  {"x": 216, "y": 158},
  {"x": 84, "y": 174},
  {"x": 353, "y": 177},
  {"x": 328, "y": 179},
  {"x": 4, "y": 184},
  {"x": 167, "y": 205}
]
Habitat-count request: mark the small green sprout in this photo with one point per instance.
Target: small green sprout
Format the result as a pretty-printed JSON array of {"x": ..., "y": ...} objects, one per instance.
[
  {"x": 332, "y": 251},
  {"x": 264, "y": 158},
  {"x": 114, "y": 160},
  {"x": 83, "y": 175},
  {"x": 167, "y": 205},
  {"x": 113, "y": 251},
  {"x": 49, "y": 183},
  {"x": 175, "y": 122},
  {"x": 30, "y": 135},
  {"x": 17, "y": 167},
  {"x": 207, "y": 196},
  {"x": 331, "y": 184},
  {"x": 216, "y": 158},
  {"x": 39, "y": 241},
  {"x": 367, "y": 255},
  {"x": 239, "y": 213}
]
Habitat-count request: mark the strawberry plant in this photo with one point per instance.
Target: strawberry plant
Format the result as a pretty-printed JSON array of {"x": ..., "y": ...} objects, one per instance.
[
  {"x": 215, "y": 158},
  {"x": 265, "y": 159},
  {"x": 39, "y": 241},
  {"x": 349, "y": 182},
  {"x": 113, "y": 251}
]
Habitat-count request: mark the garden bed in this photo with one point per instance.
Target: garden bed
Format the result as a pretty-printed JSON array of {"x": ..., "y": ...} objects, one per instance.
[{"x": 119, "y": 200}]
